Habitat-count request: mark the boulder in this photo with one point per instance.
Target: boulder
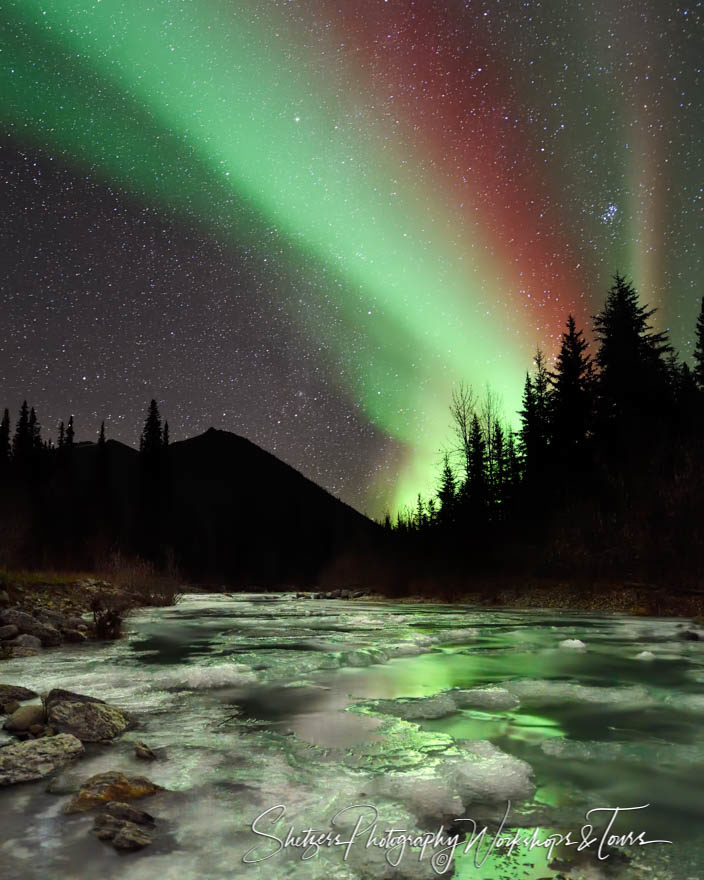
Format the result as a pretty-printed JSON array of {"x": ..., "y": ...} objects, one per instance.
[
  {"x": 9, "y": 707},
  {"x": 25, "y": 623},
  {"x": 4, "y": 599},
  {"x": 143, "y": 752},
  {"x": 24, "y": 718},
  {"x": 9, "y": 631},
  {"x": 59, "y": 695},
  {"x": 26, "y": 641},
  {"x": 689, "y": 635},
  {"x": 14, "y": 692},
  {"x": 131, "y": 837},
  {"x": 54, "y": 618},
  {"x": 89, "y": 721},
  {"x": 120, "y": 826},
  {"x": 37, "y": 758},
  {"x": 105, "y": 827},
  {"x": 21, "y": 652},
  {"x": 128, "y": 813},
  {"x": 110, "y": 786},
  {"x": 73, "y": 635}
]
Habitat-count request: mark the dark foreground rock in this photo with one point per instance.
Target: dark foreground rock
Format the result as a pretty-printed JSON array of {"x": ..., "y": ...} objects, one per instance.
[
  {"x": 24, "y": 718},
  {"x": 124, "y": 836},
  {"x": 110, "y": 786},
  {"x": 128, "y": 813},
  {"x": 13, "y": 692},
  {"x": 59, "y": 695},
  {"x": 28, "y": 761}
]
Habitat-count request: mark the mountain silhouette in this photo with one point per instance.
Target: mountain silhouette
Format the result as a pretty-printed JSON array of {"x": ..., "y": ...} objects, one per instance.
[{"x": 220, "y": 505}]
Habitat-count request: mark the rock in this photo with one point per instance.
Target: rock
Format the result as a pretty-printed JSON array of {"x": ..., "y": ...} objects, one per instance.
[
  {"x": 357, "y": 594},
  {"x": 26, "y": 641},
  {"x": 49, "y": 636},
  {"x": 489, "y": 698},
  {"x": 9, "y": 631},
  {"x": 89, "y": 721},
  {"x": 77, "y": 623},
  {"x": 52, "y": 617},
  {"x": 22, "y": 652},
  {"x": 110, "y": 786},
  {"x": 37, "y": 729},
  {"x": 74, "y": 635},
  {"x": 27, "y": 761},
  {"x": 4, "y": 599},
  {"x": 59, "y": 695},
  {"x": 9, "y": 707},
  {"x": 14, "y": 692},
  {"x": 574, "y": 644},
  {"x": 131, "y": 837},
  {"x": 689, "y": 635},
  {"x": 123, "y": 834},
  {"x": 128, "y": 813},
  {"x": 24, "y": 718},
  {"x": 105, "y": 827},
  {"x": 144, "y": 752}
]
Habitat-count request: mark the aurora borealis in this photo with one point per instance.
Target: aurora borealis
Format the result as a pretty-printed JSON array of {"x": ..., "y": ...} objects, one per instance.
[{"x": 304, "y": 221}]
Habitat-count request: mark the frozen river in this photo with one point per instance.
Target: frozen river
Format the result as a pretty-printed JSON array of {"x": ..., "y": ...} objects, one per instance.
[{"x": 418, "y": 715}]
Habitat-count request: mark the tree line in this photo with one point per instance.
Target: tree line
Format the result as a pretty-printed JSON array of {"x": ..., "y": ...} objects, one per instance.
[
  {"x": 604, "y": 469},
  {"x": 59, "y": 507}
]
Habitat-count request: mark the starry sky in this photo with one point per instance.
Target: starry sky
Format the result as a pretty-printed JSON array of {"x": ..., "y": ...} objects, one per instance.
[{"x": 306, "y": 221}]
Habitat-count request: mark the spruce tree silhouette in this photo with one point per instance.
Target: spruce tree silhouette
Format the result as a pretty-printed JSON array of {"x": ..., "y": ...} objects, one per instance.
[
  {"x": 699, "y": 348},
  {"x": 22, "y": 440},
  {"x": 632, "y": 368},
  {"x": 5, "y": 439},
  {"x": 151, "y": 483},
  {"x": 498, "y": 453},
  {"x": 70, "y": 434},
  {"x": 477, "y": 488},
  {"x": 447, "y": 493},
  {"x": 571, "y": 399}
]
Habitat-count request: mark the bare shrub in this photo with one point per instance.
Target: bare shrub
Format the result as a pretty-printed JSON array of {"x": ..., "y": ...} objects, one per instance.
[{"x": 142, "y": 581}]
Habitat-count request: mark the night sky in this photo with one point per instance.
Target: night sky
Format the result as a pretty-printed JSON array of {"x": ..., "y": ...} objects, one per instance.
[{"x": 304, "y": 221}]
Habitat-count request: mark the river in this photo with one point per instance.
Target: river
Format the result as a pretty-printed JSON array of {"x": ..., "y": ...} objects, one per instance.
[{"x": 423, "y": 713}]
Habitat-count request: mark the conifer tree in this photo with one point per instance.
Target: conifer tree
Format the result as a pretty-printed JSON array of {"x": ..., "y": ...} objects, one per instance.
[
  {"x": 420, "y": 518},
  {"x": 22, "y": 440},
  {"x": 432, "y": 511},
  {"x": 68, "y": 439},
  {"x": 5, "y": 438},
  {"x": 62, "y": 434},
  {"x": 34, "y": 431},
  {"x": 498, "y": 470},
  {"x": 571, "y": 401},
  {"x": 631, "y": 359},
  {"x": 528, "y": 433},
  {"x": 699, "y": 349},
  {"x": 477, "y": 466},
  {"x": 152, "y": 438},
  {"x": 165, "y": 438},
  {"x": 101, "y": 435},
  {"x": 447, "y": 493}
]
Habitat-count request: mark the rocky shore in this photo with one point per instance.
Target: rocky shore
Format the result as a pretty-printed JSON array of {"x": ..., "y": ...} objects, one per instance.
[{"x": 45, "y": 732}]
